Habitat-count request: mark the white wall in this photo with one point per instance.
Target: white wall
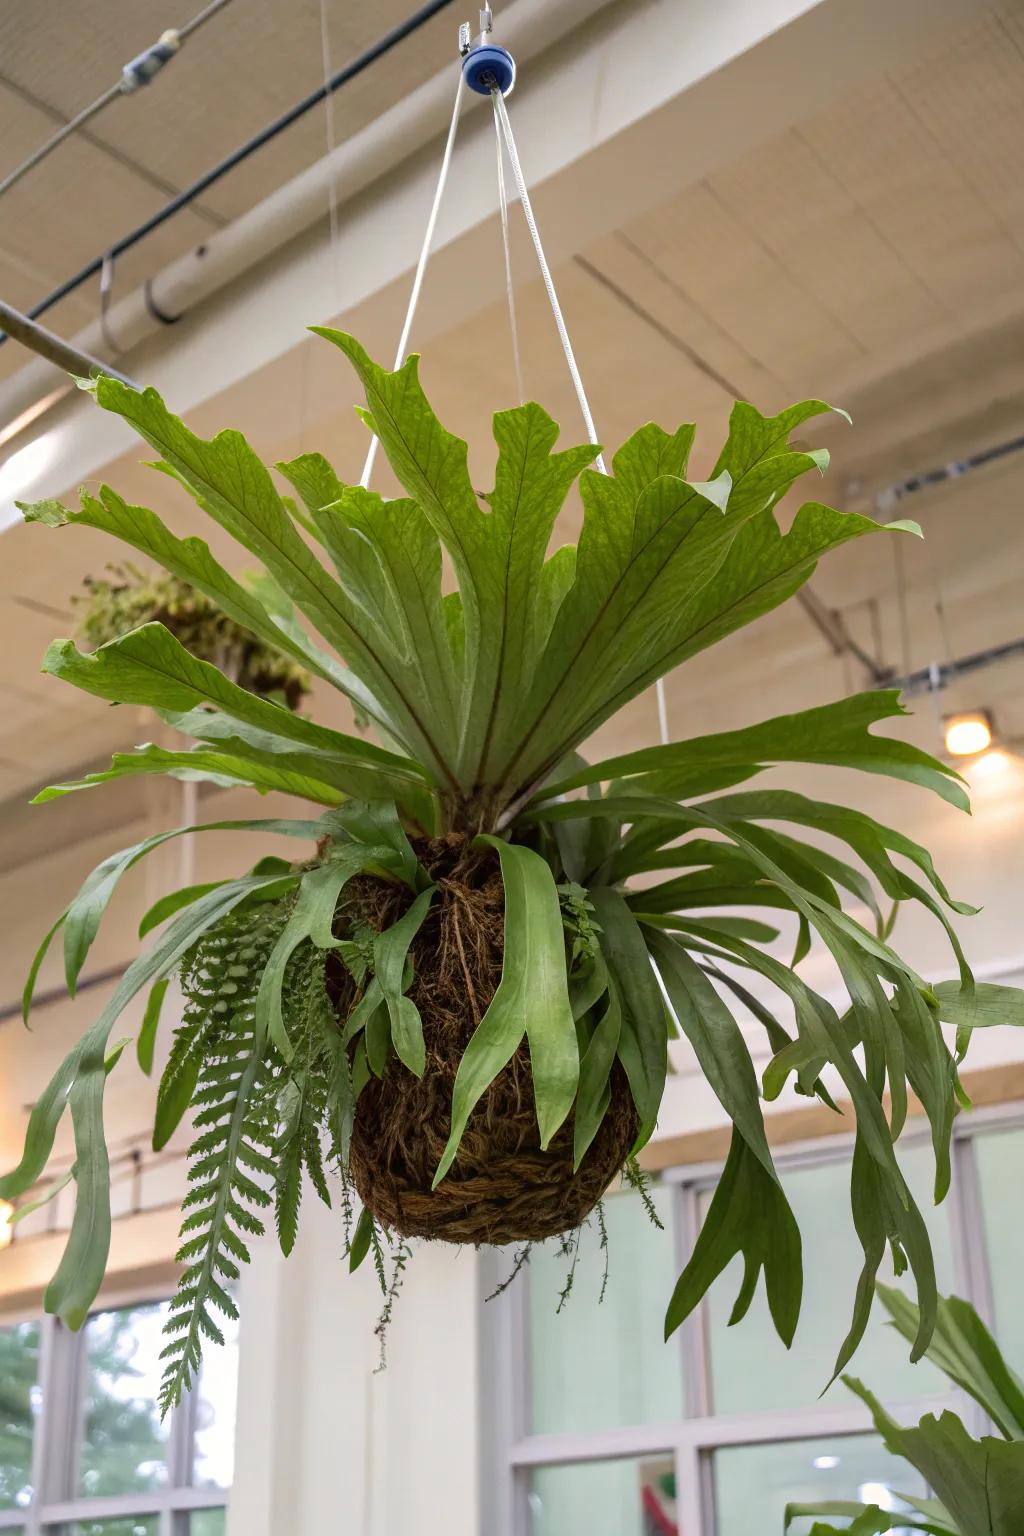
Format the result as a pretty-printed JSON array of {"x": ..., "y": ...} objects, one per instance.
[{"x": 328, "y": 1443}]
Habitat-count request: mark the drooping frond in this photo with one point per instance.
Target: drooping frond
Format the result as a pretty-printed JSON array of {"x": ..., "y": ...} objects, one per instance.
[{"x": 235, "y": 1133}]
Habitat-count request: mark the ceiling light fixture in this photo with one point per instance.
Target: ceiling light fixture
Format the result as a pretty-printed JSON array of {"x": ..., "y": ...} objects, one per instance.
[
  {"x": 825, "y": 1463},
  {"x": 967, "y": 735}
]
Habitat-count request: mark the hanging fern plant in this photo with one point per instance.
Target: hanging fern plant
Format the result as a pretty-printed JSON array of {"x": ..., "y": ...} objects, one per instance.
[
  {"x": 453, "y": 1004},
  {"x": 113, "y": 605}
]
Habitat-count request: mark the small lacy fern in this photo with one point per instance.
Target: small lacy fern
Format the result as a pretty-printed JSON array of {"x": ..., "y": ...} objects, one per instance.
[
  {"x": 303, "y": 1100},
  {"x": 235, "y": 1127}
]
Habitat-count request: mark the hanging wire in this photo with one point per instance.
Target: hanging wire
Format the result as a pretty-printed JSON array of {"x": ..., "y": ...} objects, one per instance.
[
  {"x": 332, "y": 189},
  {"x": 506, "y": 242},
  {"x": 549, "y": 283},
  {"x": 421, "y": 266},
  {"x": 140, "y": 71}
]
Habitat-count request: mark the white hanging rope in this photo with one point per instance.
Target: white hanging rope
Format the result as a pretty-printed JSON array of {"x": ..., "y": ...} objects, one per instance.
[
  {"x": 502, "y": 121},
  {"x": 421, "y": 267},
  {"x": 549, "y": 283},
  {"x": 507, "y": 243}
]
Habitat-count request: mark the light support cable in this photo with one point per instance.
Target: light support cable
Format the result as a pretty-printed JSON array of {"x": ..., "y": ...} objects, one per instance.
[
  {"x": 332, "y": 187},
  {"x": 136, "y": 73},
  {"x": 421, "y": 266}
]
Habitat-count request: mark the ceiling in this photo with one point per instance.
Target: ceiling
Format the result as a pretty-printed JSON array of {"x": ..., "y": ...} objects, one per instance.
[{"x": 251, "y": 62}]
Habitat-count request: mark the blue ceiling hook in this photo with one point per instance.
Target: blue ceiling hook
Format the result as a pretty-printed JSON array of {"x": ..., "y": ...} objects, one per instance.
[{"x": 487, "y": 68}]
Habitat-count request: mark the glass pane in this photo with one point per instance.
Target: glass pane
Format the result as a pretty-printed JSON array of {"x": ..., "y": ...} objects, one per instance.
[
  {"x": 214, "y": 1450},
  {"x": 124, "y": 1442},
  {"x": 1000, "y": 1157},
  {"x": 752, "y": 1369},
  {"x": 126, "y": 1525},
  {"x": 595, "y": 1368},
  {"x": 754, "y": 1483},
  {"x": 208, "y": 1522},
  {"x": 19, "y": 1403},
  {"x": 605, "y": 1498}
]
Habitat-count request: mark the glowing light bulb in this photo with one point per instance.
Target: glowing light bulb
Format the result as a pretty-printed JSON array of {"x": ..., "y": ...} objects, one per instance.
[
  {"x": 877, "y": 1494},
  {"x": 968, "y": 734},
  {"x": 6, "y": 1223},
  {"x": 825, "y": 1463}
]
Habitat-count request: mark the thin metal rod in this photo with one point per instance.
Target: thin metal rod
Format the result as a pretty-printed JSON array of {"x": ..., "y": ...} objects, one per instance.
[
  {"x": 38, "y": 339},
  {"x": 341, "y": 77},
  {"x": 507, "y": 244},
  {"x": 549, "y": 283},
  {"x": 421, "y": 265},
  {"x": 99, "y": 105}
]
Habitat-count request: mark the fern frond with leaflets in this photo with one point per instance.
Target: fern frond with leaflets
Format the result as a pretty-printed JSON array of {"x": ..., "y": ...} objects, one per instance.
[
  {"x": 303, "y": 1100},
  {"x": 235, "y": 1128}
]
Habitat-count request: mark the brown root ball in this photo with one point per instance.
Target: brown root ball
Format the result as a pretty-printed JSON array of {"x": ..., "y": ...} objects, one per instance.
[{"x": 502, "y": 1188}]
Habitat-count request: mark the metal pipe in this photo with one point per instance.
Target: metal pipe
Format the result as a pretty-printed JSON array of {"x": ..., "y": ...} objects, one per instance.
[
  {"x": 53, "y": 348},
  {"x": 941, "y": 674},
  {"x": 528, "y": 26},
  {"x": 189, "y": 194}
]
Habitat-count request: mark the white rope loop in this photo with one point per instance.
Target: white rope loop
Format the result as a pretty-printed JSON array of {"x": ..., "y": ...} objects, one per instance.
[
  {"x": 507, "y": 244},
  {"x": 503, "y": 132},
  {"x": 421, "y": 267},
  {"x": 549, "y": 282}
]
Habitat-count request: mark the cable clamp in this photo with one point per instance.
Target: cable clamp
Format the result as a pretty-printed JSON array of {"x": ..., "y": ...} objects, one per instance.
[
  {"x": 488, "y": 68},
  {"x": 141, "y": 70}
]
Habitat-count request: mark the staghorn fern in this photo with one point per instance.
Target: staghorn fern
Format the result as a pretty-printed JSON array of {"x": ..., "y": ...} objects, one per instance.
[
  {"x": 483, "y": 696},
  {"x": 113, "y": 605}
]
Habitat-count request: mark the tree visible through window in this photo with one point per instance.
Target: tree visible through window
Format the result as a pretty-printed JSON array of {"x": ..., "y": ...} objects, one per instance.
[
  {"x": 19, "y": 1376},
  {"x": 86, "y": 1410}
]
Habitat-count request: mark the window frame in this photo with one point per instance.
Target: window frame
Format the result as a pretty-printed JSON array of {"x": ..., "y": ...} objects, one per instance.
[
  {"x": 57, "y": 1443},
  {"x": 510, "y": 1452}
]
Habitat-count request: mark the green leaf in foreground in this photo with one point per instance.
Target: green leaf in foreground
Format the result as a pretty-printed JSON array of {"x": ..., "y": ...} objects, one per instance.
[
  {"x": 532, "y": 999},
  {"x": 749, "y": 1214}
]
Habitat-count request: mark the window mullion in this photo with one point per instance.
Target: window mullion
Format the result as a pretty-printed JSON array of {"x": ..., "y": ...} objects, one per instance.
[
  {"x": 692, "y": 1517},
  {"x": 973, "y": 1273},
  {"x": 695, "y": 1355},
  {"x": 62, "y": 1418},
  {"x": 181, "y": 1440},
  {"x": 41, "y": 1437}
]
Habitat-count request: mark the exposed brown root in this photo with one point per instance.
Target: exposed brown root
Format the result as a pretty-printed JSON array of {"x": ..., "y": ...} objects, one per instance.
[{"x": 501, "y": 1188}]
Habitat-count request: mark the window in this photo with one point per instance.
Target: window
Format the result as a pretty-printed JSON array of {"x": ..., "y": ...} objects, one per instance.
[
  {"x": 83, "y": 1451},
  {"x": 604, "y": 1430}
]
